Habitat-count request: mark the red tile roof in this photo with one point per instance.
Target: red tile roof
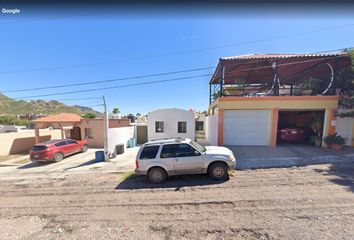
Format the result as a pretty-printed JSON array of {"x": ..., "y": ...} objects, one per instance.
[
  {"x": 61, "y": 117},
  {"x": 279, "y": 55}
]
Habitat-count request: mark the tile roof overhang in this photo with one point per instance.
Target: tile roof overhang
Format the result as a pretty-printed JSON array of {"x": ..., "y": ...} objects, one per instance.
[
  {"x": 59, "y": 118},
  {"x": 291, "y": 68}
]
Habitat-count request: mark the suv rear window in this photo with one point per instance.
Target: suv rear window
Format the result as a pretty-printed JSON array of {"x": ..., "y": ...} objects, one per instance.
[
  {"x": 39, "y": 148},
  {"x": 149, "y": 152}
]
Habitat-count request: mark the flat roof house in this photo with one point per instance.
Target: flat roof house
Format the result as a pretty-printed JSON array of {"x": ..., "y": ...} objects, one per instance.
[
  {"x": 171, "y": 123},
  {"x": 253, "y": 96},
  {"x": 78, "y": 128}
]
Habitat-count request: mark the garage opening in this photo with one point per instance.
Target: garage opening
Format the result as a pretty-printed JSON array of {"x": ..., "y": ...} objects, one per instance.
[{"x": 300, "y": 127}]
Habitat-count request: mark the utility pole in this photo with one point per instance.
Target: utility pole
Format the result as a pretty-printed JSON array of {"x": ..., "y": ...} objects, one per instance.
[{"x": 105, "y": 131}]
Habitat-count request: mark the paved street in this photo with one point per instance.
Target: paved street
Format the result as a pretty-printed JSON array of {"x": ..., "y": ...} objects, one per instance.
[{"x": 312, "y": 202}]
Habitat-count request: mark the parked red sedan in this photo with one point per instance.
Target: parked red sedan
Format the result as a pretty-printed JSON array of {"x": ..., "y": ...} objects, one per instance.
[
  {"x": 292, "y": 134},
  {"x": 56, "y": 150}
]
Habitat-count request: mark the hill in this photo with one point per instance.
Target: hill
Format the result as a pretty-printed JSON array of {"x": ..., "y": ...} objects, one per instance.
[{"x": 10, "y": 106}]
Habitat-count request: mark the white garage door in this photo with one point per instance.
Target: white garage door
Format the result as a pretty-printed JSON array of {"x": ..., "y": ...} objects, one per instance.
[{"x": 246, "y": 127}]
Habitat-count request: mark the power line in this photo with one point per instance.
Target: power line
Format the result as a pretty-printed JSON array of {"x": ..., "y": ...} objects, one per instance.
[
  {"x": 140, "y": 76},
  {"x": 110, "y": 80},
  {"x": 113, "y": 87},
  {"x": 178, "y": 52}
]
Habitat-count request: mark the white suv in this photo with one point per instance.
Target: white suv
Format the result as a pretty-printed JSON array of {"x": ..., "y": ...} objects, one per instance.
[{"x": 167, "y": 157}]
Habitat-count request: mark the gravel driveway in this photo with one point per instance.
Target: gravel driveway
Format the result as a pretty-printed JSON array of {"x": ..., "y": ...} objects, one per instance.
[{"x": 312, "y": 202}]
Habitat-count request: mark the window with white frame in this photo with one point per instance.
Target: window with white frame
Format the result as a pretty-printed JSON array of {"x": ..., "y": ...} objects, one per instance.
[
  {"x": 182, "y": 127},
  {"x": 88, "y": 133},
  {"x": 159, "y": 127}
]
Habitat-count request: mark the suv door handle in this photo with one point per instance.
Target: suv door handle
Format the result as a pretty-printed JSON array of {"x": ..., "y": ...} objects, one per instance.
[{"x": 176, "y": 159}]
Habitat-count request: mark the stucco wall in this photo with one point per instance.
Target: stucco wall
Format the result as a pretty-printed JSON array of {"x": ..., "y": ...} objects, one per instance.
[
  {"x": 211, "y": 129},
  {"x": 344, "y": 127},
  {"x": 19, "y": 142},
  {"x": 119, "y": 136},
  {"x": 97, "y": 129},
  {"x": 171, "y": 117}
]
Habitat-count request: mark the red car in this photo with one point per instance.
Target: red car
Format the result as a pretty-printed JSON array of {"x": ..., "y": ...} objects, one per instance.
[
  {"x": 56, "y": 150},
  {"x": 292, "y": 135}
]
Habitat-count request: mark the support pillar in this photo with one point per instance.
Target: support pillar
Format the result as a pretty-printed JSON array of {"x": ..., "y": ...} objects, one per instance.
[
  {"x": 62, "y": 133},
  {"x": 274, "y": 127},
  {"x": 329, "y": 124},
  {"x": 221, "y": 127},
  {"x": 36, "y": 135}
]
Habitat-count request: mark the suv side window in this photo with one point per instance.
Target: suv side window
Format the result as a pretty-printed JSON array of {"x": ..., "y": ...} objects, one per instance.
[
  {"x": 71, "y": 142},
  {"x": 168, "y": 151},
  {"x": 149, "y": 152},
  {"x": 185, "y": 150},
  {"x": 59, "y": 144}
]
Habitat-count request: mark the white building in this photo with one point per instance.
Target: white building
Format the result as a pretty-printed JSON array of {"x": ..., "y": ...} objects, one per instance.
[{"x": 171, "y": 123}]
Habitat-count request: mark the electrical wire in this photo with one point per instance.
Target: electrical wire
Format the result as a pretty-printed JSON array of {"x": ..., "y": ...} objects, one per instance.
[{"x": 179, "y": 52}]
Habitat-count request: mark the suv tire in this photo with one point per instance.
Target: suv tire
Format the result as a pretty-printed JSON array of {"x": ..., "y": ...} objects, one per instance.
[
  {"x": 157, "y": 175},
  {"x": 58, "y": 157},
  {"x": 84, "y": 148},
  {"x": 218, "y": 171}
]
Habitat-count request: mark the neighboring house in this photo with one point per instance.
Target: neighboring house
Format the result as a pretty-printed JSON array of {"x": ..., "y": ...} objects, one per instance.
[
  {"x": 253, "y": 96},
  {"x": 75, "y": 127},
  {"x": 171, "y": 123},
  {"x": 11, "y": 128}
]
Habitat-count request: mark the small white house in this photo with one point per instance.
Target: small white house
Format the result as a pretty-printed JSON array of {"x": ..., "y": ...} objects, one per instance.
[{"x": 171, "y": 123}]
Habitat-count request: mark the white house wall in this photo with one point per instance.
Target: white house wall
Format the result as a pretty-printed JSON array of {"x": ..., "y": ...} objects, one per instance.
[
  {"x": 119, "y": 136},
  {"x": 344, "y": 127},
  {"x": 171, "y": 117},
  {"x": 211, "y": 129}
]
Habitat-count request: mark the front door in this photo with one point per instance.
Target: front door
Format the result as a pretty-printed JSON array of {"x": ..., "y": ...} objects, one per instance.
[{"x": 75, "y": 133}]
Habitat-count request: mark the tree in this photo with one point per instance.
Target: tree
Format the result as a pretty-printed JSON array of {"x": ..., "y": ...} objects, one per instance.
[
  {"x": 116, "y": 111},
  {"x": 89, "y": 115}
]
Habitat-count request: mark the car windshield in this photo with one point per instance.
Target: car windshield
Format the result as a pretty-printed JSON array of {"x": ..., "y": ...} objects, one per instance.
[{"x": 197, "y": 146}]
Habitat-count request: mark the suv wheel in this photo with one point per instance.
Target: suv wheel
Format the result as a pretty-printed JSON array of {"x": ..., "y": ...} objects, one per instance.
[
  {"x": 58, "y": 157},
  {"x": 84, "y": 148},
  {"x": 218, "y": 171},
  {"x": 157, "y": 175}
]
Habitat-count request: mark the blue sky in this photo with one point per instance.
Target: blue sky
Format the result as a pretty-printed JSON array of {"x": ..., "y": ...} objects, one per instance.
[{"x": 34, "y": 41}]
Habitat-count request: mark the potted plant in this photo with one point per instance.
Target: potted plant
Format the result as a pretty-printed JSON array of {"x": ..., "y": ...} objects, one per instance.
[{"x": 334, "y": 141}]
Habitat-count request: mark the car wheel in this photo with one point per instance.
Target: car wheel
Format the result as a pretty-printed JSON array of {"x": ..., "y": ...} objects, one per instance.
[
  {"x": 58, "y": 157},
  {"x": 157, "y": 175},
  {"x": 84, "y": 148},
  {"x": 218, "y": 171}
]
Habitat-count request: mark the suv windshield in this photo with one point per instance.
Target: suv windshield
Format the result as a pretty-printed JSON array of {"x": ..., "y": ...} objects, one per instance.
[{"x": 197, "y": 146}]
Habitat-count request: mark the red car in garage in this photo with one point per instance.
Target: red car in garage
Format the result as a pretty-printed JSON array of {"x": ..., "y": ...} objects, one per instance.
[
  {"x": 292, "y": 134},
  {"x": 56, "y": 150}
]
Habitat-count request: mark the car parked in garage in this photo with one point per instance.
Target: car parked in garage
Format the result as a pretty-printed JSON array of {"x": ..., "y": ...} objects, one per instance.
[
  {"x": 292, "y": 134},
  {"x": 56, "y": 150},
  {"x": 159, "y": 159}
]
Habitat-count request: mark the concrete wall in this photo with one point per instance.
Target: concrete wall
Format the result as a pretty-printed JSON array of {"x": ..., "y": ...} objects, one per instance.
[
  {"x": 119, "y": 136},
  {"x": 211, "y": 129},
  {"x": 97, "y": 129},
  {"x": 171, "y": 117},
  {"x": 19, "y": 142},
  {"x": 344, "y": 127}
]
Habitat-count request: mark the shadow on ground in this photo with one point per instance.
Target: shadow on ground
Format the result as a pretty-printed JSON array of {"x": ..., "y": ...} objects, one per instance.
[
  {"x": 342, "y": 174},
  {"x": 174, "y": 182},
  {"x": 92, "y": 161},
  {"x": 34, "y": 165}
]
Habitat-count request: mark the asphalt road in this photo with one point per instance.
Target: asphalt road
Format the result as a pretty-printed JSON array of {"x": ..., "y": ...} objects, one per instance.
[{"x": 312, "y": 202}]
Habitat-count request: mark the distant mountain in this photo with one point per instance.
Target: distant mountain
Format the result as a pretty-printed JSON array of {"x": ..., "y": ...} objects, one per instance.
[{"x": 10, "y": 106}]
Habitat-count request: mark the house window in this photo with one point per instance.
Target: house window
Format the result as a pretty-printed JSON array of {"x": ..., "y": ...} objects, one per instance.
[
  {"x": 182, "y": 127},
  {"x": 88, "y": 133},
  {"x": 199, "y": 126},
  {"x": 159, "y": 127}
]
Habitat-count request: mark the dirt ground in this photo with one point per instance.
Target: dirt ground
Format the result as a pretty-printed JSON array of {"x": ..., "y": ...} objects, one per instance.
[{"x": 313, "y": 202}]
